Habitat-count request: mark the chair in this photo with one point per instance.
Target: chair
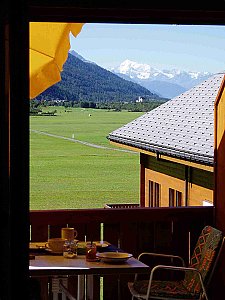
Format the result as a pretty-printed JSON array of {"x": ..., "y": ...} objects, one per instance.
[{"x": 196, "y": 276}]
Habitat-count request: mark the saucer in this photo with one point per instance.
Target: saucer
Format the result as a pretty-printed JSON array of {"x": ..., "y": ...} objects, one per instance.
[
  {"x": 37, "y": 247},
  {"x": 54, "y": 252}
]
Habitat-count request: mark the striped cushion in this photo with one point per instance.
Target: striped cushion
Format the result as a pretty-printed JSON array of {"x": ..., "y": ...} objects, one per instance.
[
  {"x": 203, "y": 257},
  {"x": 173, "y": 289}
]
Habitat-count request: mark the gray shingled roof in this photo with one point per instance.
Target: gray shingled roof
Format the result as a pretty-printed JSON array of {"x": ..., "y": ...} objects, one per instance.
[{"x": 182, "y": 127}]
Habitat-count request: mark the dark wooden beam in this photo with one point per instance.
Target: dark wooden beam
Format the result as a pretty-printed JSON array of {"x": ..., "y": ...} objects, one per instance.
[{"x": 127, "y": 15}]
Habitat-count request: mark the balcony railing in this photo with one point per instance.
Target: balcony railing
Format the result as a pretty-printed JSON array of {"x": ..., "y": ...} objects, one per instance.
[
  {"x": 164, "y": 230},
  {"x": 124, "y": 205}
]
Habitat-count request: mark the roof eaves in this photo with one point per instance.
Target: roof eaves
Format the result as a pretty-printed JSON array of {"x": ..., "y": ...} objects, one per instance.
[{"x": 165, "y": 150}]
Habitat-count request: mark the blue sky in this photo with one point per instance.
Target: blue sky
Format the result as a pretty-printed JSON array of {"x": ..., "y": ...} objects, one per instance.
[{"x": 185, "y": 47}]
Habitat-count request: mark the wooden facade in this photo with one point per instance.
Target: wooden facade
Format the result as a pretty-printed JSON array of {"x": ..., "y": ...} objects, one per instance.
[
  {"x": 168, "y": 183},
  {"x": 219, "y": 191}
]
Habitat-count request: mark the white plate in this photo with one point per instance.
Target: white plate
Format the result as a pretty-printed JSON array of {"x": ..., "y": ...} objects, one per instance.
[
  {"x": 37, "y": 246},
  {"x": 114, "y": 257},
  {"x": 99, "y": 244},
  {"x": 81, "y": 244}
]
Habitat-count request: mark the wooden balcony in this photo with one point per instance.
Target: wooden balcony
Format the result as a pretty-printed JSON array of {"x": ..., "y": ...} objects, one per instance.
[
  {"x": 163, "y": 230},
  {"x": 119, "y": 205}
]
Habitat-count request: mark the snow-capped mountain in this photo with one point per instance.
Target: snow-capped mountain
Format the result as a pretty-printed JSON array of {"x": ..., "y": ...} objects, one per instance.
[
  {"x": 135, "y": 70},
  {"x": 167, "y": 83}
]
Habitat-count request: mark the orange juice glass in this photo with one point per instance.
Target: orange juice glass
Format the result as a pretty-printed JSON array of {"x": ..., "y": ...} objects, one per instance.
[{"x": 91, "y": 251}]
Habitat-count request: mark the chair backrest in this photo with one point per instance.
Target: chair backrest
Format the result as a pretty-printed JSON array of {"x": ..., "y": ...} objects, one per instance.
[{"x": 204, "y": 257}]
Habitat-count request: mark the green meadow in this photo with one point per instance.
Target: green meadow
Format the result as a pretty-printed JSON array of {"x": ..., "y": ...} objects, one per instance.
[{"x": 67, "y": 174}]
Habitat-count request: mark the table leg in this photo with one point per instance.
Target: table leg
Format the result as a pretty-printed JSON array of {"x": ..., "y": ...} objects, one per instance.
[
  {"x": 54, "y": 295},
  {"x": 80, "y": 287},
  {"x": 89, "y": 287},
  {"x": 63, "y": 296},
  {"x": 118, "y": 287}
]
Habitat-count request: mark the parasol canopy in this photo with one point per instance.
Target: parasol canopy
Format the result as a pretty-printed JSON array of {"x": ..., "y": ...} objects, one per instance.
[{"x": 49, "y": 46}]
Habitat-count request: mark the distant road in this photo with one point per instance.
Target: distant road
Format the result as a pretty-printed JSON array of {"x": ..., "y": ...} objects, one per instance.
[{"x": 81, "y": 142}]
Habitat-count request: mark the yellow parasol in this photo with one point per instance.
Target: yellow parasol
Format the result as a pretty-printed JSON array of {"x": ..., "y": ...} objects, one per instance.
[{"x": 49, "y": 46}]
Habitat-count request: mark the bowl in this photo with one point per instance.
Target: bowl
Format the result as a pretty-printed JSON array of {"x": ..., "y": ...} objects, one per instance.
[{"x": 114, "y": 257}]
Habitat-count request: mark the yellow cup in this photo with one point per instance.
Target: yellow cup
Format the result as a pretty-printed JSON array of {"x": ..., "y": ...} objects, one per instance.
[
  {"x": 56, "y": 245},
  {"x": 68, "y": 233}
]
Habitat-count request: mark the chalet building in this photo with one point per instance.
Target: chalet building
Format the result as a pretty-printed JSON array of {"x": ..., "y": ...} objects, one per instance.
[
  {"x": 140, "y": 99},
  {"x": 176, "y": 145}
]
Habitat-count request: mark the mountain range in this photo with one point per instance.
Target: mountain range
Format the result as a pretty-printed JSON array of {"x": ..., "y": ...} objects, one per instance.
[
  {"x": 85, "y": 81},
  {"x": 166, "y": 83}
]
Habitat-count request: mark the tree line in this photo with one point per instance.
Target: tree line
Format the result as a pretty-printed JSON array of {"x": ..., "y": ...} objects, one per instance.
[{"x": 35, "y": 105}]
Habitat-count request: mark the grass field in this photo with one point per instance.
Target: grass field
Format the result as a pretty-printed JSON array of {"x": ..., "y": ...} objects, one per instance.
[{"x": 67, "y": 174}]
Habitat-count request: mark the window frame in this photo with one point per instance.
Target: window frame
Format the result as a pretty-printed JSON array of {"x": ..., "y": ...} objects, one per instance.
[{"x": 154, "y": 194}]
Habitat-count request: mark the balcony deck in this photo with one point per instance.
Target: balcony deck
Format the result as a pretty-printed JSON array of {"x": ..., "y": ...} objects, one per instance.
[{"x": 133, "y": 229}]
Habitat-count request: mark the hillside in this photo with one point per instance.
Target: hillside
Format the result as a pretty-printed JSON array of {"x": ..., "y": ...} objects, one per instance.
[
  {"x": 163, "y": 88},
  {"x": 86, "y": 81}
]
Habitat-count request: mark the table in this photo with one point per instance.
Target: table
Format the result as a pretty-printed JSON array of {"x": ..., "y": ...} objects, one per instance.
[
  {"x": 46, "y": 265},
  {"x": 59, "y": 267}
]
